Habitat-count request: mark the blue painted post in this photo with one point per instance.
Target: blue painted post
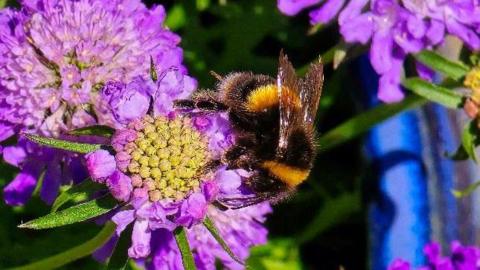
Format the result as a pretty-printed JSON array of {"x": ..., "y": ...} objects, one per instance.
[{"x": 398, "y": 211}]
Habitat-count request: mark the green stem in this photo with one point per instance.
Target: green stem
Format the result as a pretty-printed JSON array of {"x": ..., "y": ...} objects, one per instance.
[
  {"x": 74, "y": 253},
  {"x": 184, "y": 247}
]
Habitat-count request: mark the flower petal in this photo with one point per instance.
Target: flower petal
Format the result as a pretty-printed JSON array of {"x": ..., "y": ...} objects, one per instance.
[
  {"x": 424, "y": 72},
  {"x": 105, "y": 251},
  {"x": 130, "y": 101},
  {"x": 14, "y": 155},
  {"x": 435, "y": 32},
  {"x": 228, "y": 181},
  {"x": 122, "y": 219},
  {"x": 389, "y": 89},
  {"x": 358, "y": 29},
  {"x": 464, "y": 33},
  {"x": 140, "y": 240},
  {"x": 326, "y": 12},
  {"x": 51, "y": 182},
  {"x": 381, "y": 52},
  {"x": 120, "y": 186},
  {"x": 100, "y": 164},
  {"x": 21, "y": 188},
  {"x": 351, "y": 10},
  {"x": 292, "y": 7},
  {"x": 193, "y": 209},
  {"x": 5, "y": 131},
  {"x": 416, "y": 26}
]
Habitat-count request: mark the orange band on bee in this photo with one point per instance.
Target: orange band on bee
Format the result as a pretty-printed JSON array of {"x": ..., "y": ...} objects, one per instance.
[
  {"x": 265, "y": 97},
  {"x": 289, "y": 175}
]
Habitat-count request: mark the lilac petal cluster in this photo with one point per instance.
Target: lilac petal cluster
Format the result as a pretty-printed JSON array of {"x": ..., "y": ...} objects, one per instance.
[
  {"x": 394, "y": 29},
  {"x": 461, "y": 258},
  {"x": 55, "y": 56},
  {"x": 153, "y": 206},
  {"x": 241, "y": 229}
]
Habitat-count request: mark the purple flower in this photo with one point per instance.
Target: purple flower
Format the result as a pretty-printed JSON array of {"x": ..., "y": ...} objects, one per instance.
[
  {"x": 395, "y": 29},
  {"x": 159, "y": 172},
  {"x": 399, "y": 264},
  {"x": 128, "y": 101},
  {"x": 461, "y": 258},
  {"x": 239, "y": 228},
  {"x": 56, "y": 56}
]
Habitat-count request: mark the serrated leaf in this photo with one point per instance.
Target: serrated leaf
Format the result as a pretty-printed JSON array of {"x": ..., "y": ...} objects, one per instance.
[
  {"x": 364, "y": 121},
  {"x": 470, "y": 139},
  {"x": 467, "y": 191},
  {"x": 454, "y": 70},
  {"x": 97, "y": 130},
  {"x": 208, "y": 223},
  {"x": 73, "y": 214},
  {"x": 434, "y": 93},
  {"x": 74, "y": 253},
  {"x": 119, "y": 258},
  {"x": 83, "y": 148},
  {"x": 184, "y": 247},
  {"x": 78, "y": 192}
]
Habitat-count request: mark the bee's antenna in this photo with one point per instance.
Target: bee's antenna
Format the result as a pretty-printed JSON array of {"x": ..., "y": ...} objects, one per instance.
[{"x": 216, "y": 75}]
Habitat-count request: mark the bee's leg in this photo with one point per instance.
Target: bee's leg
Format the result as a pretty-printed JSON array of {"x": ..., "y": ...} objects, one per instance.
[
  {"x": 203, "y": 101},
  {"x": 239, "y": 157},
  {"x": 211, "y": 165}
]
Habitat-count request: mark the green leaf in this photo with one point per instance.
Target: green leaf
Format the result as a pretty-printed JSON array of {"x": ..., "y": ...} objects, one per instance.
[
  {"x": 454, "y": 70},
  {"x": 3, "y": 3},
  {"x": 470, "y": 139},
  {"x": 208, "y": 223},
  {"x": 364, "y": 121},
  {"x": 119, "y": 258},
  {"x": 202, "y": 4},
  {"x": 176, "y": 17},
  {"x": 73, "y": 214},
  {"x": 74, "y": 253},
  {"x": 433, "y": 92},
  {"x": 334, "y": 210},
  {"x": 64, "y": 145},
  {"x": 97, "y": 130},
  {"x": 76, "y": 193},
  {"x": 467, "y": 191},
  {"x": 184, "y": 247},
  {"x": 280, "y": 254}
]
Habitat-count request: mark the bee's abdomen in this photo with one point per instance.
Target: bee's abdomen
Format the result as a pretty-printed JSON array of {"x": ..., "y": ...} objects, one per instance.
[{"x": 291, "y": 176}]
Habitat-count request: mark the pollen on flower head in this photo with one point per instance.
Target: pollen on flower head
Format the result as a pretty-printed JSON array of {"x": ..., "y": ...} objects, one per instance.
[
  {"x": 472, "y": 81},
  {"x": 166, "y": 157}
]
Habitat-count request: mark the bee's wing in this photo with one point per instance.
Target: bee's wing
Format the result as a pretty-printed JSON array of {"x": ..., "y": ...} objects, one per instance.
[
  {"x": 310, "y": 92},
  {"x": 288, "y": 87}
]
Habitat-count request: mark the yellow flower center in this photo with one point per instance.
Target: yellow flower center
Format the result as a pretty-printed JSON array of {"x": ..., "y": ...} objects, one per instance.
[
  {"x": 167, "y": 158},
  {"x": 472, "y": 81}
]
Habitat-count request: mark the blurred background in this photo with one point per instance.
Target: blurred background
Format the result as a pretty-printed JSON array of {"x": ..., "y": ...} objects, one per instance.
[{"x": 369, "y": 200}]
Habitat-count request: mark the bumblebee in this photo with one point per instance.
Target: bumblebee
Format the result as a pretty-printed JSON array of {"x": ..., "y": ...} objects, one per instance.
[{"x": 273, "y": 120}]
